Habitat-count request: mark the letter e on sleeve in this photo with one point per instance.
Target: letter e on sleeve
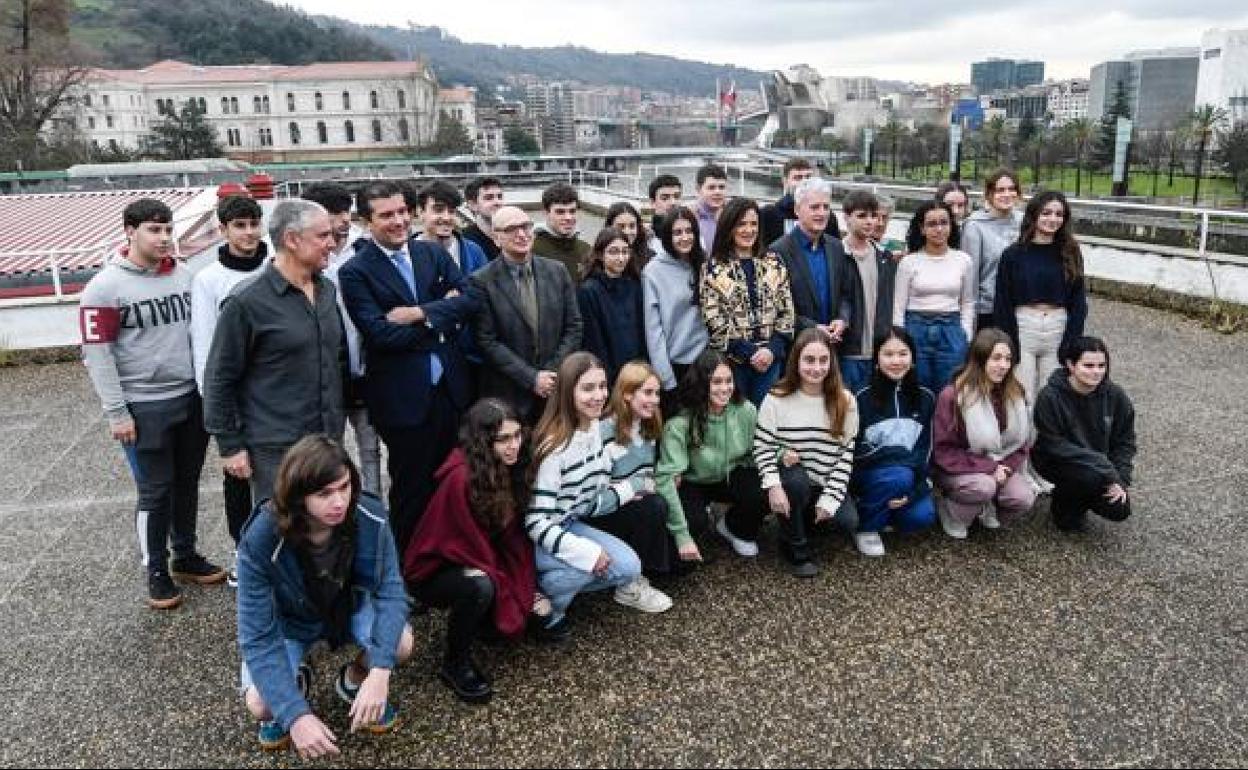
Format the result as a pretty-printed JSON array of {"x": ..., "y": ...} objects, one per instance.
[{"x": 99, "y": 324}]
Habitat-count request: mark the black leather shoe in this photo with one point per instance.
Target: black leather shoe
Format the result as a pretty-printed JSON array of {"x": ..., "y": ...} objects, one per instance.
[
  {"x": 466, "y": 681},
  {"x": 557, "y": 634}
]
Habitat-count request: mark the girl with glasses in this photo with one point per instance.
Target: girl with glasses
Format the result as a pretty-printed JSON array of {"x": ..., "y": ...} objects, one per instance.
[{"x": 610, "y": 303}]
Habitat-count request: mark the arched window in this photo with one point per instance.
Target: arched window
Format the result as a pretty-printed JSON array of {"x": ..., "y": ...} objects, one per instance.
[
  {"x": 402, "y": 99},
  {"x": 290, "y": 102},
  {"x": 322, "y": 133},
  {"x": 372, "y": 99},
  {"x": 376, "y": 130},
  {"x": 294, "y": 132},
  {"x": 346, "y": 100},
  {"x": 320, "y": 101},
  {"x": 404, "y": 135},
  {"x": 348, "y": 128},
  {"x": 255, "y": 104}
]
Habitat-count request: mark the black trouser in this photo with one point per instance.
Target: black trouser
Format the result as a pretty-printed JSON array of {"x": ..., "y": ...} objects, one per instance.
[
  {"x": 166, "y": 459},
  {"x": 238, "y": 506},
  {"x": 796, "y": 528},
  {"x": 1078, "y": 489},
  {"x": 669, "y": 404},
  {"x": 415, "y": 455},
  {"x": 470, "y": 599},
  {"x": 265, "y": 460},
  {"x": 743, "y": 490},
  {"x": 985, "y": 321},
  {"x": 643, "y": 525}
]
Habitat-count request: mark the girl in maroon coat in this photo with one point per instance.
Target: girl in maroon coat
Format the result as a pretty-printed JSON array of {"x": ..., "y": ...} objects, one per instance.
[{"x": 469, "y": 552}]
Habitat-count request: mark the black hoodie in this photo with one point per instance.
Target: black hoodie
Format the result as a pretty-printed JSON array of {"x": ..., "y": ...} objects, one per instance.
[{"x": 1096, "y": 430}]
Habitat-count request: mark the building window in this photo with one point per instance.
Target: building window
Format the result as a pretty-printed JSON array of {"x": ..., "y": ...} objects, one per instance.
[
  {"x": 203, "y": 105},
  {"x": 112, "y": 145},
  {"x": 403, "y": 132},
  {"x": 322, "y": 133},
  {"x": 266, "y": 137},
  {"x": 90, "y": 121},
  {"x": 294, "y": 133},
  {"x": 233, "y": 137},
  {"x": 108, "y": 120},
  {"x": 255, "y": 104},
  {"x": 402, "y": 99},
  {"x": 234, "y": 104},
  {"x": 86, "y": 100},
  {"x": 105, "y": 98},
  {"x": 372, "y": 99},
  {"x": 320, "y": 101},
  {"x": 265, "y": 101},
  {"x": 376, "y": 130},
  {"x": 225, "y": 105},
  {"x": 290, "y": 102},
  {"x": 346, "y": 100},
  {"x": 348, "y": 128},
  {"x": 1213, "y": 53}
]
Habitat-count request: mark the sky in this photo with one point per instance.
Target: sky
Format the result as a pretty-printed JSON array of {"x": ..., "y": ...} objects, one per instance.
[{"x": 932, "y": 42}]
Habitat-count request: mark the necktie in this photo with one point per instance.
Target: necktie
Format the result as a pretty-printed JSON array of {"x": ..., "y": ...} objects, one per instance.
[
  {"x": 404, "y": 264},
  {"x": 528, "y": 295}
]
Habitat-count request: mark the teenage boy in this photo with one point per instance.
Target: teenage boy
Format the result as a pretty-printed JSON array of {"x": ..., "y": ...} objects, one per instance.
[
  {"x": 712, "y": 195},
  {"x": 779, "y": 218},
  {"x": 435, "y": 206},
  {"x": 557, "y": 239},
  {"x": 665, "y": 192},
  {"x": 242, "y": 253},
  {"x": 135, "y": 318},
  {"x": 873, "y": 273},
  {"x": 485, "y": 196},
  {"x": 336, "y": 200}
]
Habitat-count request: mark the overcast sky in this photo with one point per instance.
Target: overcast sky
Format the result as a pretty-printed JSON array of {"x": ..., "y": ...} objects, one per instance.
[{"x": 921, "y": 41}]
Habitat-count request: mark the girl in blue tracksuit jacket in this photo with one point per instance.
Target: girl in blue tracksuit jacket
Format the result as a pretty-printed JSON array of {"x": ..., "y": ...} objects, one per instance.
[{"x": 894, "y": 446}]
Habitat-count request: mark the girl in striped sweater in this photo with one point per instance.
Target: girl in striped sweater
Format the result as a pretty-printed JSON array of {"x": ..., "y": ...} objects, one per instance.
[
  {"x": 572, "y": 492},
  {"x": 804, "y": 448}
]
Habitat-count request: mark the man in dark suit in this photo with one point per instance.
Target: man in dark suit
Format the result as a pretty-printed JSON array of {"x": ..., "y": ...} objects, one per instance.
[
  {"x": 528, "y": 322},
  {"x": 409, "y": 301},
  {"x": 819, "y": 270}
]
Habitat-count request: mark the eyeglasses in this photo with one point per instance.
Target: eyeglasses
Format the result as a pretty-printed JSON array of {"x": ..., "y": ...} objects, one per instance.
[
  {"x": 525, "y": 227},
  {"x": 617, "y": 252}
]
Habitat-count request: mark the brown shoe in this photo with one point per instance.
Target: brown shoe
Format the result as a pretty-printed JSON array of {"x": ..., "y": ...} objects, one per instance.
[
  {"x": 162, "y": 594},
  {"x": 197, "y": 569}
]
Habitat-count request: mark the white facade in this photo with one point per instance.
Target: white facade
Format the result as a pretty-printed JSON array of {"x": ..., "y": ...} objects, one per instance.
[
  {"x": 1068, "y": 101},
  {"x": 461, "y": 104},
  {"x": 270, "y": 112},
  {"x": 1223, "y": 78}
]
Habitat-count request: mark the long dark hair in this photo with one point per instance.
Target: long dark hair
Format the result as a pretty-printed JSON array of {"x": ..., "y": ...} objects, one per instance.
[
  {"x": 915, "y": 240},
  {"x": 835, "y": 397},
  {"x": 696, "y": 255},
  {"x": 1064, "y": 239},
  {"x": 881, "y": 386},
  {"x": 694, "y": 394},
  {"x": 495, "y": 491},
  {"x": 606, "y": 236},
  {"x": 723, "y": 248},
  {"x": 641, "y": 250},
  {"x": 312, "y": 464}
]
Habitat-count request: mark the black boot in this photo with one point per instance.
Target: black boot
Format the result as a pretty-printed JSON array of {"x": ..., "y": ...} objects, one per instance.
[{"x": 466, "y": 680}]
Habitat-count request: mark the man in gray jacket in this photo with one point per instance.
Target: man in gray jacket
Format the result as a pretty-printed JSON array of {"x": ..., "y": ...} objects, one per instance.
[
  {"x": 278, "y": 356},
  {"x": 135, "y": 320}
]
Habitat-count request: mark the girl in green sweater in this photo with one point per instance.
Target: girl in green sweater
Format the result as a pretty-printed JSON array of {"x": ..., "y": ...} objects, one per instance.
[{"x": 706, "y": 457}]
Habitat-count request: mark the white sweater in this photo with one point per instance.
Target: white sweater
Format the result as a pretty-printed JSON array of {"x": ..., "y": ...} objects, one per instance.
[
  {"x": 209, "y": 288},
  {"x": 800, "y": 422}
]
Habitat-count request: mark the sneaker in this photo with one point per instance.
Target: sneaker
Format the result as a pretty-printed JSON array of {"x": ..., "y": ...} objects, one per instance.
[
  {"x": 747, "y": 549},
  {"x": 389, "y": 721},
  {"x": 804, "y": 569},
  {"x": 231, "y": 577},
  {"x": 640, "y": 595},
  {"x": 869, "y": 543},
  {"x": 466, "y": 681},
  {"x": 988, "y": 517},
  {"x": 197, "y": 569},
  {"x": 558, "y": 632},
  {"x": 346, "y": 689},
  {"x": 272, "y": 737},
  {"x": 953, "y": 528},
  {"x": 162, "y": 594}
]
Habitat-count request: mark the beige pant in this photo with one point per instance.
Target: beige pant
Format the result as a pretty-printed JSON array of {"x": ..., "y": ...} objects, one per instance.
[{"x": 1039, "y": 336}]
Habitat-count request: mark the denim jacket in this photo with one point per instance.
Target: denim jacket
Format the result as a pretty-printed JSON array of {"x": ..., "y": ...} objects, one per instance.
[{"x": 273, "y": 604}]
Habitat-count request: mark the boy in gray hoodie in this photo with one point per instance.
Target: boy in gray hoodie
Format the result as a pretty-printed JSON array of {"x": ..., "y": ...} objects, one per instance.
[{"x": 135, "y": 319}]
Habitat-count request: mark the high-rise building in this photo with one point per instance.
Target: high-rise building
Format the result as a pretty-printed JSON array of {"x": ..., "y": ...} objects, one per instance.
[
  {"x": 551, "y": 105},
  {"x": 999, "y": 74},
  {"x": 1068, "y": 100},
  {"x": 1223, "y": 76},
  {"x": 1160, "y": 86}
]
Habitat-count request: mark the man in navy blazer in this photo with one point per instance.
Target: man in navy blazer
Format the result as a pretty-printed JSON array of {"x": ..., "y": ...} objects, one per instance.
[
  {"x": 819, "y": 269},
  {"x": 410, "y": 302}
]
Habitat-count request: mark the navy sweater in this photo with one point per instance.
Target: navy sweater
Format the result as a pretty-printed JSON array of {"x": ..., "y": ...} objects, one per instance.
[
  {"x": 612, "y": 317},
  {"x": 1032, "y": 273},
  {"x": 898, "y": 433}
]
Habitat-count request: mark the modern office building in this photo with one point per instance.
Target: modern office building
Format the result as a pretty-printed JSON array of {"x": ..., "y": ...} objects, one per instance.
[
  {"x": 1068, "y": 100},
  {"x": 1160, "y": 85},
  {"x": 1000, "y": 74},
  {"x": 1223, "y": 77}
]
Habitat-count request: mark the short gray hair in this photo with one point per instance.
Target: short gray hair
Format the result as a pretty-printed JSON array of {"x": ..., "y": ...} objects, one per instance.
[
  {"x": 810, "y": 186},
  {"x": 294, "y": 214}
]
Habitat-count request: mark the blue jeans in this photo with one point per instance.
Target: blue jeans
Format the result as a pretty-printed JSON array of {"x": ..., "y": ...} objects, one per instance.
[
  {"x": 296, "y": 650},
  {"x": 754, "y": 384},
  {"x": 856, "y": 373},
  {"x": 940, "y": 342},
  {"x": 561, "y": 582},
  {"x": 882, "y": 483}
]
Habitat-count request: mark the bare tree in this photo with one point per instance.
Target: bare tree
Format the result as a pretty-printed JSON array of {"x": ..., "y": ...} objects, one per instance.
[{"x": 39, "y": 72}]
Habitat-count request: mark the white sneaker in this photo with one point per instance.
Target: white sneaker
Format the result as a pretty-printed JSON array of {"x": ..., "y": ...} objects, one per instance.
[
  {"x": 869, "y": 543},
  {"x": 953, "y": 528},
  {"x": 988, "y": 517},
  {"x": 747, "y": 549},
  {"x": 640, "y": 595}
]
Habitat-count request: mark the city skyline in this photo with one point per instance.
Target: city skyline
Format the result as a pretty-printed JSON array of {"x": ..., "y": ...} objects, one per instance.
[{"x": 895, "y": 41}]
